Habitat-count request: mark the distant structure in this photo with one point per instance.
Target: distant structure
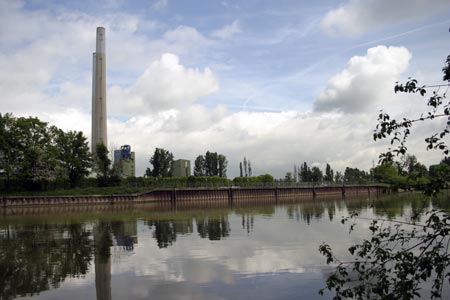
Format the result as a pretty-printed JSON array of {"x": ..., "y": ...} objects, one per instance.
[
  {"x": 99, "y": 129},
  {"x": 181, "y": 168},
  {"x": 124, "y": 162}
]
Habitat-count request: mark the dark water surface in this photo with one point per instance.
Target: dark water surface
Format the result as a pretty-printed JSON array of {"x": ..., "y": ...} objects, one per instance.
[{"x": 254, "y": 252}]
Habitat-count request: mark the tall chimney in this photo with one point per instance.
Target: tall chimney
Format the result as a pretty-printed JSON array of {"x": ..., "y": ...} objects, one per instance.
[{"x": 99, "y": 129}]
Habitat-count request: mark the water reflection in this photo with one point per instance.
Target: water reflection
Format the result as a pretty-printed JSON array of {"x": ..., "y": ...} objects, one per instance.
[
  {"x": 37, "y": 257},
  {"x": 41, "y": 252}
]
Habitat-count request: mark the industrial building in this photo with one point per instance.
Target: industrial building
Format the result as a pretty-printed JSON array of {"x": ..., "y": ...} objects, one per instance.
[
  {"x": 124, "y": 162},
  {"x": 181, "y": 168}
]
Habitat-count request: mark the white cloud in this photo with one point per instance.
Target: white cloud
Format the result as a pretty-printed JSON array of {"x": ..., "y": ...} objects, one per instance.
[
  {"x": 365, "y": 82},
  {"x": 356, "y": 17},
  {"x": 160, "y": 4},
  {"x": 164, "y": 85},
  {"x": 228, "y": 30}
]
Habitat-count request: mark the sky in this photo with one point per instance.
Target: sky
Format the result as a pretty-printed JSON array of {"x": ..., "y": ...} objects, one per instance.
[{"x": 279, "y": 82}]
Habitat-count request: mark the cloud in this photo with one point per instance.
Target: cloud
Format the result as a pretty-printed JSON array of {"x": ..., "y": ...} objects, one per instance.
[
  {"x": 165, "y": 84},
  {"x": 160, "y": 4},
  {"x": 355, "y": 17},
  {"x": 228, "y": 30},
  {"x": 365, "y": 82}
]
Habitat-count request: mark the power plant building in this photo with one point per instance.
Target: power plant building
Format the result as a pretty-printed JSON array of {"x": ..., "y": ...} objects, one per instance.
[
  {"x": 99, "y": 128},
  {"x": 181, "y": 168},
  {"x": 124, "y": 162}
]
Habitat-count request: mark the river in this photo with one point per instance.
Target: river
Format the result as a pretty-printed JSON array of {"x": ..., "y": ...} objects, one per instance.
[{"x": 247, "y": 252}]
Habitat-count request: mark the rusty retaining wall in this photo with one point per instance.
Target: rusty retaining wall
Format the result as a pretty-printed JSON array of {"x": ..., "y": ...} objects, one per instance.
[{"x": 201, "y": 196}]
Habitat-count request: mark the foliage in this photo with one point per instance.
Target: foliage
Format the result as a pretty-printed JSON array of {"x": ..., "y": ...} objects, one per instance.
[
  {"x": 34, "y": 154},
  {"x": 102, "y": 165},
  {"x": 389, "y": 173},
  {"x": 399, "y": 131},
  {"x": 329, "y": 174},
  {"x": 162, "y": 161},
  {"x": 395, "y": 262},
  {"x": 338, "y": 177},
  {"x": 212, "y": 164},
  {"x": 288, "y": 178},
  {"x": 199, "y": 166},
  {"x": 261, "y": 180},
  {"x": 400, "y": 257},
  {"x": 222, "y": 165},
  {"x": 73, "y": 155},
  {"x": 354, "y": 175},
  {"x": 316, "y": 174},
  {"x": 305, "y": 173},
  {"x": 245, "y": 167}
]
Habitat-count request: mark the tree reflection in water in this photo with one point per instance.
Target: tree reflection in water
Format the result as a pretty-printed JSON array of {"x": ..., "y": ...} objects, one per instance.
[
  {"x": 35, "y": 258},
  {"x": 38, "y": 257}
]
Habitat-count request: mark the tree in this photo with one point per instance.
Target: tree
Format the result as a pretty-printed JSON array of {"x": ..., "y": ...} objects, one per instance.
[
  {"x": 328, "y": 174},
  {"x": 295, "y": 173},
  {"x": 354, "y": 175},
  {"x": 222, "y": 165},
  {"x": 316, "y": 174},
  {"x": 162, "y": 161},
  {"x": 305, "y": 173},
  {"x": 33, "y": 154},
  {"x": 249, "y": 168},
  {"x": 245, "y": 167},
  {"x": 27, "y": 152},
  {"x": 399, "y": 131},
  {"x": 211, "y": 164},
  {"x": 73, "y": 155},
  {"x": 400, "y": 256},
  {"x": 199, "y": 166},
  {"x": 288, "y": 178},
  {"x": 240, "y": 170},
  {"x": 338, "y": 177},
  {"x": 102, "y": 164}
]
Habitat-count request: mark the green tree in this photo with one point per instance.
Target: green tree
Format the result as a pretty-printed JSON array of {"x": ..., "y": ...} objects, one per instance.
[
  {"x": 222, "y": 165},
  {"x": 245, "y": 167},
  {"x": 305, "y": 173},
  {"x": 316, "y": 174},
  {"x": 8, "y": 148},
  {"x": 211, "y": 164},
  {"x": 73, "y": 155},
  {"x": 240, "y": 170},
  {"x": 199, "y": 166},
  {"x": 33, "y": 154},
  {"x": 354, "y": 175},
  {"x": 400, "y": 256},
  {"x": 329, "y": 174},
  {"x": 288, "y": 178},
  {"x": 102, "y": 164},
  {"x": 28, "y": 151},
  {"x": 338, "y": 177},
  {"x": 162, "y": 161},
  {"x": 215, "y": 164}
]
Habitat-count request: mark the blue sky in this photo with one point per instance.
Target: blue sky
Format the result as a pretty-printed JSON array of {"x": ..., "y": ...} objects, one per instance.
[{"x": 280, "y": 82}]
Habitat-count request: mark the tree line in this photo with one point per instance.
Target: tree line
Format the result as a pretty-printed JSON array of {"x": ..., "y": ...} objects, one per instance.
[
  {"x": 32, "y": 153},
  {"x": 305, "y": 173}
]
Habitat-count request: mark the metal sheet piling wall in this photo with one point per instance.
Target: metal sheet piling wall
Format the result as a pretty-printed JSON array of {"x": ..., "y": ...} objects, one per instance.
[{"x": 210, "y": 197}]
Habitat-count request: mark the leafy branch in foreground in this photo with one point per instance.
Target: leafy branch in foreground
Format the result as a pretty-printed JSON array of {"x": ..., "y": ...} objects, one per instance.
[
  {"x": 400, "y": 259},
  {"x": 395, "y": 262},
  {"x": 399, "y": 130}
]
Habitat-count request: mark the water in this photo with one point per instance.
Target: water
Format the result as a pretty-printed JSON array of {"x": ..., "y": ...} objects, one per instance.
[{"x": 255, "y": 252}]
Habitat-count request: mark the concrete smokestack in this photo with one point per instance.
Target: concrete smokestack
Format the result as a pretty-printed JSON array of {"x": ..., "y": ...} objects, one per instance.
[{"x": 99, "y": 129}]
